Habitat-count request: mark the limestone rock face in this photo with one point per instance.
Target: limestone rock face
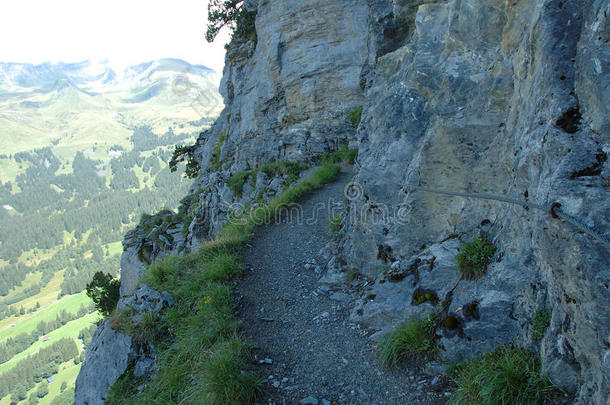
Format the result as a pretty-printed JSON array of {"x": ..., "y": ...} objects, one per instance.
[
  {"x": 108, "y": 356},
  {"x": 486, "y": 96},
  {"x": 131, "y": 271}
]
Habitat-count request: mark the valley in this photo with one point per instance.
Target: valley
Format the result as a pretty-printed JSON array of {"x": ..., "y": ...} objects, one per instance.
[{"x": 84, "y": 152}]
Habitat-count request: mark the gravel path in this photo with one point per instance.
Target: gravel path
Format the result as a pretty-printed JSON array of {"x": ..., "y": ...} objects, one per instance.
[{"x": 304, "y": 343}]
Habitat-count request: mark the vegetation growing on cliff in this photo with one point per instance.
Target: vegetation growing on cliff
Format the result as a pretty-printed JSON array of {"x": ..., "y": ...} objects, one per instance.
[
  {"x": 291, "y": 170},
  {"x": 540, "y": 322},
  {"x": 506, "y": 375},
  {"x": 202, "y": 357},
  {"x": 473, "y": 258},
  {"x": 355, "y": 116},
  {"x": 185, "y": 154},
  {"x": 231, "y": 14},
  {"x": 413, "y": 341},
  {"x": 104, "y": 292}
]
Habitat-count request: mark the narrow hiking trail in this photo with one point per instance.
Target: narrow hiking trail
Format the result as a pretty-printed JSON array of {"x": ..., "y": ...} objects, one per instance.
[{"x": 305, "y": 346}]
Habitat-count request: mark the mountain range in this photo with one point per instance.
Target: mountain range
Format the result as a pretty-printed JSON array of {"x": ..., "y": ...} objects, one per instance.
[{"x": 73, "y": 106}]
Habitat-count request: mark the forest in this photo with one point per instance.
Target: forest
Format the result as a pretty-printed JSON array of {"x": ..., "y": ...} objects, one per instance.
[{"x": 67, "y": 218}]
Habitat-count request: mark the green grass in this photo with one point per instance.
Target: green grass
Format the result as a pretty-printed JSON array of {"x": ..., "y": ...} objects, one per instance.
[
  {"x": 355, "y": 116},
  {"x": 68, "y": 372},
  {"x": 70, "y": 303},
  {"x": 540, "y": 322},
  {"x": 215, "y": 161},
  {"x": 412, "y": 341},
  {"x": 334, "y": 224},
  {"x": 344, "y": 154},
  {"x": 70, "y": 330},
  {"x": 504, "y": 376},
  {"x": 201, "y": 357},
  {"x": 473, "y": 258},
  {"x": 239, "y": 230},
  {"x": 291, "y": 169}
]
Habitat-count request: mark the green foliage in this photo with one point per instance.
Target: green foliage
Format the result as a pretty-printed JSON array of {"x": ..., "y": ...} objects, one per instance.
[
  {"x": 473, "y": 258},
  {"x": 35, "y": 368},
  {"x": 335, "y": 223},
  {"x": 200, "y": 355},
  {"x": 185, "y": 153},
  {"x": 291, "y": 169},
  {"x": 344, "y": 154},
  {"x": 504, "y": 376},
  {"x": 355, "y": 116},
  {"x": 104, "y": 292},
  {"x": 42, "y": 390},
  {"x": 230, "y": 13},
  {"x": 215, "y": 161},
  {"x": 412, "y": 341},
  {"x": 125, "y": 387},
  {"x": 225, "y": 381},
  {"x": 540, "y": 322},
  {"x": 238, "y": 230}
]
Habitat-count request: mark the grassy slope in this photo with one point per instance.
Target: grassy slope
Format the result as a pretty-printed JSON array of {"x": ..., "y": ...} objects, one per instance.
[
  {"x": 71, "y": 303},
  {"x": 71, "y": 330},
  {"x": 208, "y": 358}
]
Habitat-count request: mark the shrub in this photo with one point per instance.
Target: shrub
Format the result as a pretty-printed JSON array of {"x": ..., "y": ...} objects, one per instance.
[
  {"x": 292, "y": 171},
  {"x": 473, "y": 258},
  {"x": 335, "y": 223},
  {"x": 355, "y": 116},
  {"x": 505, "y": 375},
  {"x": 182, "y": 154},
  {"x": 413, "y": 340},
  {"x": 540, "y": 322},
  {"x": 230, "y": 13},
  {"x": 215, "y": 161},
  {"x": 104, "y": 292},
  {"x": 344, "y": 154}
]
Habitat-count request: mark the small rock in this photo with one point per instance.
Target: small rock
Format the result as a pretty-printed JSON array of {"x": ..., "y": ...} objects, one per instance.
[
  {"x": 338, "y": 296},
  {"x": 309, "y": 401},
  {"x": 325, "y": 401},
  {"x": 395, "y": 265},
  {"x": 284, "y": 380},
  {"x": 276, "y": 384},
  {"x": 434, "y": 380},
  {"x": 318, "y": 269},
  {"x": 325, "y": 315}
]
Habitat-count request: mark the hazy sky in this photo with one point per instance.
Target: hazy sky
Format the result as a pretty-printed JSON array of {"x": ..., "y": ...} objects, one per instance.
[{"x": 126, "y": 32}]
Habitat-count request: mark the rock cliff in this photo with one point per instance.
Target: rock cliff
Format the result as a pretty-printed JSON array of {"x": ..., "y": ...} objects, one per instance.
[{"x": 473, "y": 96}]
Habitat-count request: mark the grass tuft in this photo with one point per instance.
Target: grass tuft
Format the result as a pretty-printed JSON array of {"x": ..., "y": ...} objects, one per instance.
[
  {"x": 355, "y": 116},
  {"x": 335, "y": 224},
  {"x": 344, "y": 154},
  {"x": 225, "y": 379},
  {"x": 292, "y": 171},
  {"x": 413, "y": 341},
  {"x": 473, "y": 258},
  {"x": 505, "y": 375},
  {"x": 540, "y": 322},
  {"x": 215, "y": 161}
]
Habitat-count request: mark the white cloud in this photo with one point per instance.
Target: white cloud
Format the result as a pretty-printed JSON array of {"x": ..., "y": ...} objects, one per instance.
[{"x": 125, "y": 31}]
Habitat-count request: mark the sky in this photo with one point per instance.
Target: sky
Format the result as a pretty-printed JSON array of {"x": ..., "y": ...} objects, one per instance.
[{"x": 126, "y": 32}]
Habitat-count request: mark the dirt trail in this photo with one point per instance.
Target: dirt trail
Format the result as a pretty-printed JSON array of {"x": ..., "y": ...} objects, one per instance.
[{"x": 315, "y": 352}]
